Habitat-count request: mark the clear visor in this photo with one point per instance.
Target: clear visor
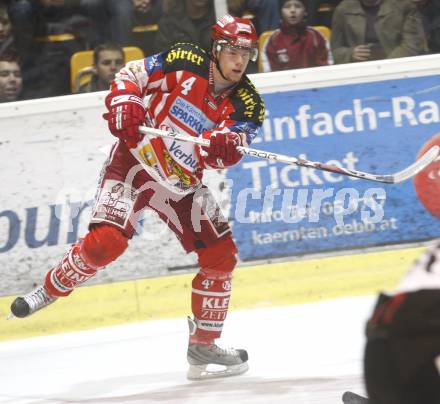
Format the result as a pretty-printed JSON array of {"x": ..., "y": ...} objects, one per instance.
[{"x": 236, "y": 50}]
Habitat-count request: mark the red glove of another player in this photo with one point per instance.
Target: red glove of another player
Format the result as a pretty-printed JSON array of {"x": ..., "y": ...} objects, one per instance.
[
  {"x": 222, "y": 150},
  {"x": 126, "y": 112}
]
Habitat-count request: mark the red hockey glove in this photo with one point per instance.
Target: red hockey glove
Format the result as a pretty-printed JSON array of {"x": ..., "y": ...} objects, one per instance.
[
  {"x": 126, "y": 112},
  {"x": 222, "y": 151}
]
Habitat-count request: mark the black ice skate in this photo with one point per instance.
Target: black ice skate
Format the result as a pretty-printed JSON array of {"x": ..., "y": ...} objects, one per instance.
[
  {"x": 28, "y": 304},
  {"x": 211, "y": 361}
]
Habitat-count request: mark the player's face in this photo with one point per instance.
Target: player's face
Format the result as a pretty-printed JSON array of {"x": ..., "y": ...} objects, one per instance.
[
  {"x": 293, "y": 12},
  {"x": 10, "y": 81},
  {"x": 5, "y": 28},
  {"x": 109, "y": 63},
  {"x": 233, "y": 62}
]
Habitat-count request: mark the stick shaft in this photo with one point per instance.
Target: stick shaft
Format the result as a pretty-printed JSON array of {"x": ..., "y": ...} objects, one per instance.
[{"x": 400, "y": 176}]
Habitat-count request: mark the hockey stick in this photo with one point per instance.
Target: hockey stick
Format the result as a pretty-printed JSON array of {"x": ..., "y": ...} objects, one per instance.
[{"x": 400, "y": 176}]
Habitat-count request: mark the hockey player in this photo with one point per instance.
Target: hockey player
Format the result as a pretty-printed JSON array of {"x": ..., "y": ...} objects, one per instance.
[
  {"x": 198, "y": 94},
  {"x": 402, "y": 355}
]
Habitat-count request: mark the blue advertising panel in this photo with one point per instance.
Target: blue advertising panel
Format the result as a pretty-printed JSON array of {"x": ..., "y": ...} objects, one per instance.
[{"x": 378, "y": 127}]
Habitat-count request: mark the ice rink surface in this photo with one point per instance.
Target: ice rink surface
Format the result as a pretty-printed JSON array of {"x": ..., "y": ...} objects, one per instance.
[{"x": 303, "y": 354}]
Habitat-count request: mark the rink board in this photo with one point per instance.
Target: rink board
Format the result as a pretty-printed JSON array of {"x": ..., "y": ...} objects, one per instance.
[
  {"x": 373, "y": 127},
  {"x": 278, "y": 284}
]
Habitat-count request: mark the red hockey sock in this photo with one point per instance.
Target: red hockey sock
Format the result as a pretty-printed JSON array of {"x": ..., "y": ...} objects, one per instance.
[
  {"x": 70, "y": 272},
  {"x": 211, "y": 290},
  {"x": 102, "y": 245}
]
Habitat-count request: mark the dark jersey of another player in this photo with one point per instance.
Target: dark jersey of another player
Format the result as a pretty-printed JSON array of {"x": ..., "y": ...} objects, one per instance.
[{"x": 181, "y": 85}]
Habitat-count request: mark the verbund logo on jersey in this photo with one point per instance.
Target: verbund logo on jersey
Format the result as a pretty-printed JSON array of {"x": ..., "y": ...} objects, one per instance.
[
  {"x": 190, "y": 116},
  {"x": 188, "y": 160}
]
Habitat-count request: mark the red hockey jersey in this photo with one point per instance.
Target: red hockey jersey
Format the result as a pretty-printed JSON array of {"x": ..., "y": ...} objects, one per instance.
[{"x": 180, "y": 82}]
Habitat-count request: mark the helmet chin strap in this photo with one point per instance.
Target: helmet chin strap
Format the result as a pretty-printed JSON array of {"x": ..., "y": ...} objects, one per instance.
[{"x": 217, "y": 63}]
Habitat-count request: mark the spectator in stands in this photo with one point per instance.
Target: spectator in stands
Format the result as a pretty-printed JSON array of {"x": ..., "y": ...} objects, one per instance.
[
  {"x": 119, "y": 14},
  {"x": 146, "y": 16},
  {"x": 430, "y": 10},
  {"x": 59, "y": 29},
  {"x": 294, "y": 45},
  {"x": 107, "y": 19},
  {"x": 185, "y": 21},
  {"x": 51, "y": 31},
  {"x": 21, "y": 13},
  {"x": 313, "y": 7},
  {"x": 6, "y": 38},
  {"x": 376, "y": 29},
  {"x": 11, "y": 82},
  {"x": 111, "y": 20},
  {"x": 267, "y": 16},
  {"x": 108, "y": 59}
]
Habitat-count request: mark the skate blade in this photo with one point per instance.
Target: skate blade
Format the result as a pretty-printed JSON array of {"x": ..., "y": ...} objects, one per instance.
[
  {"x": 10, "y": 317},
  {"x": 212, "y": 371}
]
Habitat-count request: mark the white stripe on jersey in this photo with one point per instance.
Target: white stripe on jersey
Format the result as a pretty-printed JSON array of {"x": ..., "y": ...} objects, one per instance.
[
  {"x": 154, "y": 84},
  {"x": 160, "y": 106}
]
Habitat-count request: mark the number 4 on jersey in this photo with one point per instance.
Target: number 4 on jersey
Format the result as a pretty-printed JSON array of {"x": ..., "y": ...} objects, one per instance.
[
  {"x": 207, "y": 283},
  {"x": 187, "y": 85}
]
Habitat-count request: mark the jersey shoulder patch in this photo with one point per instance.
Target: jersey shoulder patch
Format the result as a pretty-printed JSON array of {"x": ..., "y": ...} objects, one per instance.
[
  {"x": 186, "y": 56},
  {"x": 153, "y": 63},
  {"x": 247, "y": 103}
]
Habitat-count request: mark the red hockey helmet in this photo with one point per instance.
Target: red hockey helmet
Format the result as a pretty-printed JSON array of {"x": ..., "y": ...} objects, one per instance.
[{"x": 237, "y": 33}]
